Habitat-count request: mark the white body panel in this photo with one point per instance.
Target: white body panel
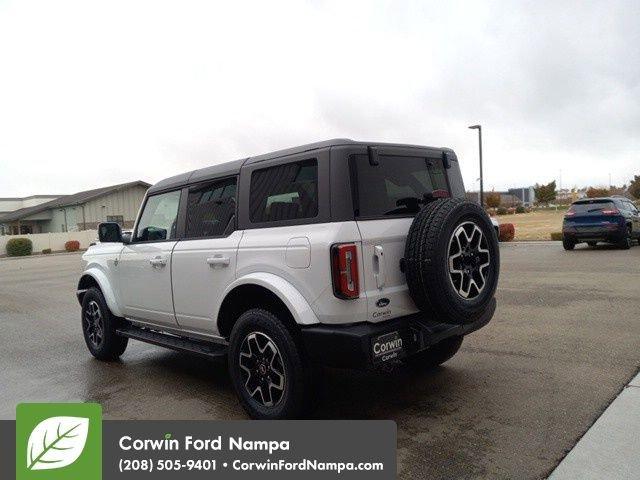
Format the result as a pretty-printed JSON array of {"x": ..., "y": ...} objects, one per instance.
[
  {"x": 201, "y": 272},
  {"x": 281, "y": 252},
  {"x": 144, "y": 282},
  {"x": 101, "y": 265},
  {"x": 383, "y": 243}
]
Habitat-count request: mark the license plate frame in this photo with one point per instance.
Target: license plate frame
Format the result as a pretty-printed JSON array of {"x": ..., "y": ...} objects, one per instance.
[{"x": 388, "y": 346}]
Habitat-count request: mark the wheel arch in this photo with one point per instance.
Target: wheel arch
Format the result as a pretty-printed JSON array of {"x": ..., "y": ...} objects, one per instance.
[
  {"x": 96, "y": 278},
  {"x": 268, "y": 291}
]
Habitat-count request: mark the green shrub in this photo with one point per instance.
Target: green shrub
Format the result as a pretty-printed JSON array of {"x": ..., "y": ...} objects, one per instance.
[
  {"x": 556, "y": 235},
  {"x": 520, "y": 209},
  {"x": 19, "y": 247},
  {"x": 46, "y": 251},
  {"x": 72, "y": 246},
  {"x": 502, "y": 211},
  {"x": 507, "y": 231}
]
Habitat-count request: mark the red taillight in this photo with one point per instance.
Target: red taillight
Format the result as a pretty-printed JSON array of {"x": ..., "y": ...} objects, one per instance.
[
  {"x": 344, "y": 268},
  {"x": 611, "y": 211}
]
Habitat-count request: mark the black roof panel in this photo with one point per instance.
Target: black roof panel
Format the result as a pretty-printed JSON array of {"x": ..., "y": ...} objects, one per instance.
[{"x": 233, "y": 167}]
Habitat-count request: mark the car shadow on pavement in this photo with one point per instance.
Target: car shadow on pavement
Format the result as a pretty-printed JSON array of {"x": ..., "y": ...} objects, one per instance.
[{"x": 348, "y": 394}]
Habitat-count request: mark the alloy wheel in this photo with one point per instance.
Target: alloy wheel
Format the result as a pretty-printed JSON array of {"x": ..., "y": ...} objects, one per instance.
[
  {"x": 262, "y": 367},
  {"x": 94, "y": 323},
  {"x": 469, "y": 260}
]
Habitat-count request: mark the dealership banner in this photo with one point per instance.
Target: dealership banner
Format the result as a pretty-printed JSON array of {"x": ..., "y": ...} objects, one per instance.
[{"x": 71, "y": 441}]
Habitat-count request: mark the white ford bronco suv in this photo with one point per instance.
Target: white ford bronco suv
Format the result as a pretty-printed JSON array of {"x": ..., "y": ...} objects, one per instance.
[{"x": 339, "y": 253}]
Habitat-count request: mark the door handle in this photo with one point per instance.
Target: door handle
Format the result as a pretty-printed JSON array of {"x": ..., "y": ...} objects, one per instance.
[
  {"x": 218, "y": 260},
  {"x": 158, "y": 262},
  {"x": 379, "y": 270}
]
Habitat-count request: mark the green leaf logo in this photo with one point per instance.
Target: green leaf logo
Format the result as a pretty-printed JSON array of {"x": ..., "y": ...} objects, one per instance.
[{"x": 56, "y": 442}]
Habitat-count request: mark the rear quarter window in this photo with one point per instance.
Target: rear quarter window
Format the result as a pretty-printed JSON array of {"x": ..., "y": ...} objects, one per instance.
[{"x": 284, "y": 192}]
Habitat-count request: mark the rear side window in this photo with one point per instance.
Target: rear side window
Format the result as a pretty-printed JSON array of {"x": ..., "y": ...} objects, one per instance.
[
  {"x": 284, "y": 192},
  {"x": 211, "y": 209},
  {"x": 397, "y": 185}
]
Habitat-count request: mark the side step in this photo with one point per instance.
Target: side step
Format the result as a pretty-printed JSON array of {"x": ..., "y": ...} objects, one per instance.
[{"x": 182, "y": 344}]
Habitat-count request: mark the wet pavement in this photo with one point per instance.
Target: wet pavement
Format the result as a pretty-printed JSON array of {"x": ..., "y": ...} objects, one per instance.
[{"x": 516, "y": 398}]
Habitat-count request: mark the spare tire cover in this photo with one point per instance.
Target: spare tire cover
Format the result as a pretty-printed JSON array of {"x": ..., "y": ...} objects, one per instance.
[{"x": 452, "y": 261}]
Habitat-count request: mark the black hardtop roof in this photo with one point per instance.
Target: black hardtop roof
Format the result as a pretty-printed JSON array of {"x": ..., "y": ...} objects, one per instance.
[{"x": 233, "y": 167}]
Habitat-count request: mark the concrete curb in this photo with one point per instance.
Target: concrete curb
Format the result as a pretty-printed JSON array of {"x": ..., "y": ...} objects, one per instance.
[{"x": 610, "y": 447}]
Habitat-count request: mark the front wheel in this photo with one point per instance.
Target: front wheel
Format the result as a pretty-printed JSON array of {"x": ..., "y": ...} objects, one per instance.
[
  {"x": 99, "y": 327},
  {"x": 435, "y": 355},
  {"x": 268, "y": 371}
]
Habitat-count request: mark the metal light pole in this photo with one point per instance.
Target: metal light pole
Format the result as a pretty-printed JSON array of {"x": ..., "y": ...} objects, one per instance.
[{"x": 479, "y": 128}]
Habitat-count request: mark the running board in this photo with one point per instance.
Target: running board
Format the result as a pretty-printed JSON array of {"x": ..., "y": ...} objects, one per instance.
[{"x": 181, "y": 344}]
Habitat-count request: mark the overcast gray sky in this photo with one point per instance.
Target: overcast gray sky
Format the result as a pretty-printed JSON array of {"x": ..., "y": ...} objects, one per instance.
[{"x": 95, "y": 93}]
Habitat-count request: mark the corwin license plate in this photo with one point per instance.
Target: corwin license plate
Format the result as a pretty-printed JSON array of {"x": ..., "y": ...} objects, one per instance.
[{"x": 387, "y": 347}]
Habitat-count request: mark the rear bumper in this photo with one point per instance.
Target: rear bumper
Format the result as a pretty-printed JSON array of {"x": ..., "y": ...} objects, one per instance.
[
  {"x": 610, "y": 232},
  {"x": 369, "y": 345},
  {"x": 609, "y": 236}
]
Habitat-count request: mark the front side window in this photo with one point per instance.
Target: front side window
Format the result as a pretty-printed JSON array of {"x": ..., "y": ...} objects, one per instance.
[
  {"x": 397, "y": 185},
  {"x": 158, "y": 220},
  {"x": 284, "y": 192},
  {"x": 211, "y": 209}
]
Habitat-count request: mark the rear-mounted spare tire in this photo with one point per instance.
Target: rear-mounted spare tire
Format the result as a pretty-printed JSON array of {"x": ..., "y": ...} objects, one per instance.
[{"x": 452, "y": 261}]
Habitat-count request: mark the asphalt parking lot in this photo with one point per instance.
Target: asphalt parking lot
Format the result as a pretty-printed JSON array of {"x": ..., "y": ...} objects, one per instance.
[{"x": 521, "y": 392}]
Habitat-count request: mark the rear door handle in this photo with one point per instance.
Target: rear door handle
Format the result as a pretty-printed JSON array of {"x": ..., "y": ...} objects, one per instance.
[
  {"x": 218, "y": 261},
  {"x": 158, "y": 262}
]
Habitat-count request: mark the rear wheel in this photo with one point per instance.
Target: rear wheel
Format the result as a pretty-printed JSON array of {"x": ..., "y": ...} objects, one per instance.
[
  {"x": 568, "y": 244},
  {"x": 99, "y": 327},
  {"x": 592, "y": 244},
  {"x": 435, "y": 355},
  {"x": 268, "y": 371},
  {"x": 625, "y": 244}
]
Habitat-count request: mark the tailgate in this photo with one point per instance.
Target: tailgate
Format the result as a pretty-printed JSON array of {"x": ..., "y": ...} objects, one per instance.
[{"x": 385, "y": 286}]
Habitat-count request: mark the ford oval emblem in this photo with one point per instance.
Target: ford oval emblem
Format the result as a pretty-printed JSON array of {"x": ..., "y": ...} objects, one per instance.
[{"x": 383, "y": 302}]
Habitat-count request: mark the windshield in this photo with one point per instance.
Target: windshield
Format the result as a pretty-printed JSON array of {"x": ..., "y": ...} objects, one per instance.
[{"x": 397, "y": 185}]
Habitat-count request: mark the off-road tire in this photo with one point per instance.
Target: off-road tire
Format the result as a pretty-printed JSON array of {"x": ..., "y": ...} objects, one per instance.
[
  {"x": 111, "y": 345},
  {"x": 426, "y": 261},
  {"x": 625, "y": 243},
  {"x": 435, "y": 355},
  {"x": 568, "y": 244},
  {"x": 295, "y": 398}
]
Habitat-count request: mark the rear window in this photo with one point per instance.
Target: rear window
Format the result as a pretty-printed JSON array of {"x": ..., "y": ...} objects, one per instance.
[
  {"x": 592, "y": 207},
  {"x": 284, "y": 192},
  {"x": 396, "y": 186}
]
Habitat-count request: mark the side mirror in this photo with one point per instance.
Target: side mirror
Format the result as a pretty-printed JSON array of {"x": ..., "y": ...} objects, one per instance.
[
  {"x": 109, "y": 232},
  {"x": 126, "y": 237}
]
